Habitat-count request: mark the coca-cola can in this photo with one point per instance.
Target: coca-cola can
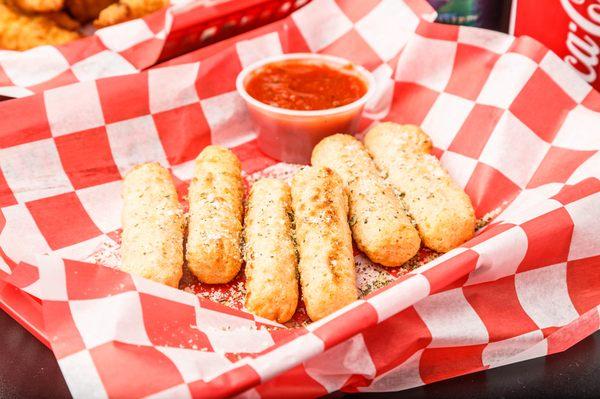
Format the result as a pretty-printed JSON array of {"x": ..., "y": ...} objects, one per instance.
[{"x": 570, "y": 28}]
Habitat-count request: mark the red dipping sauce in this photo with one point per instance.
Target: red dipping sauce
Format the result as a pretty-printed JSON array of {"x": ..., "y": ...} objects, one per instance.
[
  {"x": 296, "y": 100},
  {"x": 301, "y": 86}
]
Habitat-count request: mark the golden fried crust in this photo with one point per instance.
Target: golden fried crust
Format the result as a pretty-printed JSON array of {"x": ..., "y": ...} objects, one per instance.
[
  {"x": 63, "y": 20},
  {"x": 87, "y": 10},
  {"x": 125, "y": 10},
  {"x": 443, "y": 212},
  {"x": 39, "y": 5},
  {"x": 21, "y": 32},
  {"x": 215, "y": 226},
  {"x": 324, "y": 241},
  {"x": 402, "y": 137},
  {"x": 379, "y": 224},
  {"x": 153, "y": 225},
  {"x": 271, "y": 284}
]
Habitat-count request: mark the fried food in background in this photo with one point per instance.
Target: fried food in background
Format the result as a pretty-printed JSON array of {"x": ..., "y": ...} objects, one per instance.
[
  {"x": 379, "y": 224},
  {"x": 324, "y": 241},
  {"x": 64, "y": 20},
  {"x": 21, "y": 32},
  {"x": 125, "y": 10},
  {"x": 271, "y": 283},
  {"x": 39, "y": 5},
  {"x": 87, "y": 10},
  {"x": 153, "y": 225},
  {"x": 441, "y": 209},
  {"x": 216, "y": 195},
  {"x": 25, "y": 24}
]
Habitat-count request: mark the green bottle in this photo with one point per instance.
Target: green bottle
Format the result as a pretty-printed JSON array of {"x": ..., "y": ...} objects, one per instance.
[
  {"x": 459, "y": 12},
  {"x": 481, "y": 13}
]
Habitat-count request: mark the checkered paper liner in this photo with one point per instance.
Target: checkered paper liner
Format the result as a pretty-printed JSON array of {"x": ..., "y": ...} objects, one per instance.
[
  {"x": 134, "y": 45},
  {"x": 512, "y": 124}
]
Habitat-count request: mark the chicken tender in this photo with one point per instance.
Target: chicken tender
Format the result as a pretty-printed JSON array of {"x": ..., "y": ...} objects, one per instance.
[
  {"x": 21, "y": 32},
  {"x": 271, "y": 283},
  {"x": 39, "y": 5},
  {"x": 215, "y": 222},
  {"x": 326, "y": 264},
  {"x": 124, "y": 10},
  {"x": 379, "y": 224},
  {"x": 153, "y": 225},
  {"x": 87, "y": 10},
  {"x": 63, "y": 20},
  {"x": 441, "y": 209}
]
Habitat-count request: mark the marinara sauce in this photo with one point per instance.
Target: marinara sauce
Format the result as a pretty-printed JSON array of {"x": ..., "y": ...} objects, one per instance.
[{"x": 305, "y": 86}]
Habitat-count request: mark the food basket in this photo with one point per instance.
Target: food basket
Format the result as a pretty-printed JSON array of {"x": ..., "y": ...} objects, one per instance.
[{"x": 514, "y": 126}]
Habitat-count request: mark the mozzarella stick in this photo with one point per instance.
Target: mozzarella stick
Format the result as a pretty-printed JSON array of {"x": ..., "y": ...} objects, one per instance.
[
  {"x": 379, "y": 224},
  {"x": 326, "y": 265},
  {"x": 271, "y": 283},
  {"x": 213, "y": 250},
  {"x": 442, "y": 211},
  {"x": 401, "y": 137},
  {"x": 153, "y": 225}
]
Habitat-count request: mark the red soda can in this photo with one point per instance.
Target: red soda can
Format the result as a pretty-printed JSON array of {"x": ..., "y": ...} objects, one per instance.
[{"x": 570, "y": 28}]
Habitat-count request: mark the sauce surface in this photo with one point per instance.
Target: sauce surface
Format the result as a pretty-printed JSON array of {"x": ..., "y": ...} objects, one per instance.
[{"x": 305, "y": 86}]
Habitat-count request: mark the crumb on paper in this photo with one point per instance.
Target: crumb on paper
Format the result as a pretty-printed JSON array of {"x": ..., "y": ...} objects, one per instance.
[
  {"x": 369, "y": 276},
  {"x": 108, "y": 254},
  {"x": 424, "y": 256},
  {"x": 282, "y": 171},
  {"x": 488, "y": 217},
  {"x": 231, "y": 295}
]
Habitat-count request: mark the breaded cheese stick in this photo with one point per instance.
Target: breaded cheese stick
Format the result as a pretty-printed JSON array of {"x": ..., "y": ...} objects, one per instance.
[
  {"x": 442, "y": 211},
  {"x": 326, "y": 264},
  {"x": 402, "y": 137},
  {"x": 213, "y": 250},
  {"x": 270, "y": 254},
  {"x": 379, "y": 224},
  {"x": 153, "y": 225}
]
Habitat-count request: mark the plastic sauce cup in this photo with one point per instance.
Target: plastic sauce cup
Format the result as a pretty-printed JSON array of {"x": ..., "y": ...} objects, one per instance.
[{"x": 290, "y": 135}]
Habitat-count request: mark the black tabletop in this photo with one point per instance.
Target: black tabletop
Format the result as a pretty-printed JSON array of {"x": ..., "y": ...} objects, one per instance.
[{"x": 28, "y": 370}]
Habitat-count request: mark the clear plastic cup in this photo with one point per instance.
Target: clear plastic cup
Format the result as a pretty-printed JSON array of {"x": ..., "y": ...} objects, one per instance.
[{"x": 290, "y": 135}]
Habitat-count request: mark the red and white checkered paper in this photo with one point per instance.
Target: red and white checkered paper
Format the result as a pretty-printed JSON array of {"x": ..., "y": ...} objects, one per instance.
[
  {"x": 513, "y": 125},
  {"x": 135, "y": 45}
]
